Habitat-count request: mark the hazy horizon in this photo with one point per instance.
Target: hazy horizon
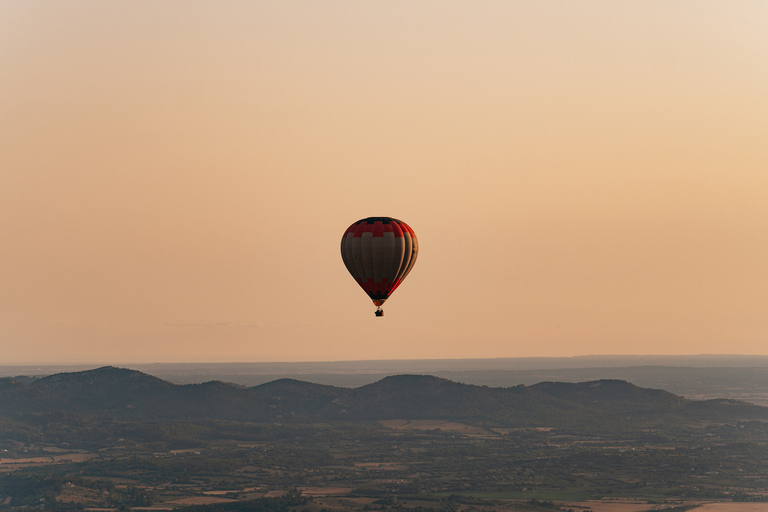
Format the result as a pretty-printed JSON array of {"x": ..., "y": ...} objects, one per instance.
[{"x": 494, "y": 363}]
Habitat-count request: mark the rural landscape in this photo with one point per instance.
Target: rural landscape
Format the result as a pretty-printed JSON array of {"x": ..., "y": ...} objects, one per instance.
[
  {"x": 306, "y": 256},
  {"x": 119, "y": 439}
]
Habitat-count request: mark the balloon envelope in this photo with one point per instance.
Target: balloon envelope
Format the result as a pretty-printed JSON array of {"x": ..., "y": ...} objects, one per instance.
[{"x": 379, "y": 252}]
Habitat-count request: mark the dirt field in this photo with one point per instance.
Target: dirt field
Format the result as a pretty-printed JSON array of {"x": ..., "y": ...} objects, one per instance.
[
  {"x": 51, "y": 459},
  {"x": 638, "y": 506},
  {"x": 196, "y": 451},
  {"x": 28, "y": 460},
  {"x": 381, "y": 465},
  {"x": 611, "y": 505},
  {"x": 54, "y": 449},
  {"x": 75, "y": 457},
  {"x": 733, "y": 507},
  {"x": 324, "y": 491},
  {"x": 201, "y": 500}
]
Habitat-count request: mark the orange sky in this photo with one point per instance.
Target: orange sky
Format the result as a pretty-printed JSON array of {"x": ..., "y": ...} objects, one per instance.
[{"x": 584, "y": 177}]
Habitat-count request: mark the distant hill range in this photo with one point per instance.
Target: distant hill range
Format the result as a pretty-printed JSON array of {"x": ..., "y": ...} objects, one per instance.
[
  {"x": 699, "y": 377},
  {"x": 131, "y": 395}
]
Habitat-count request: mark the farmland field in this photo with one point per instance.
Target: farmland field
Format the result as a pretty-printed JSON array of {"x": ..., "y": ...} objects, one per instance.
[{"x": 733, "y": 507}]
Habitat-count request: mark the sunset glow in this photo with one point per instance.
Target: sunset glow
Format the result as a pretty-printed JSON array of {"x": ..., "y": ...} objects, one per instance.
[{"x": 584, "y": 178}]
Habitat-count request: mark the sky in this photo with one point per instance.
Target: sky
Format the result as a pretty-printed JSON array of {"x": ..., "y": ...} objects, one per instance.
[{"x": 583, "y": 177}]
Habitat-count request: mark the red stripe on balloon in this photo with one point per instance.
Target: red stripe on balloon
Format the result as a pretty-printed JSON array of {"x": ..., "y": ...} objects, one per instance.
[
  {"x": 359, "y": 229},
  {"x": 378, "y": 229}
]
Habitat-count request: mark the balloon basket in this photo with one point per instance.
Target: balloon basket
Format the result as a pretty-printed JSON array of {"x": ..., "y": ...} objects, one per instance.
[{"x": 379, "y": 312}]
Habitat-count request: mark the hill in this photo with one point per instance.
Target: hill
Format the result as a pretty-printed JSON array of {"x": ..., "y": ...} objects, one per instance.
[{"x": 134, "y": 396}]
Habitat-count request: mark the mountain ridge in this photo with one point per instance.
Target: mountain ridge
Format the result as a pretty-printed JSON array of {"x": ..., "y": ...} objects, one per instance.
[{"x": 132, "y": 395}]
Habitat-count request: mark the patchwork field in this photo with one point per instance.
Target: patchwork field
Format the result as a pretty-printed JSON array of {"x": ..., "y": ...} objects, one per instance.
[{"x": 733, "y": 507}]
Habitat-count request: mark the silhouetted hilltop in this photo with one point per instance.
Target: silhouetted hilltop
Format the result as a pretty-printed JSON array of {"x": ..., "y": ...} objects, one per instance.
[
  {"x": 102, "y": 389},
  {"x": 611, "y": 393},
  {"x": 427, "y": 397},
  {"x": 102, "y": 382},
  {"x": 132, "y": 395},
  {"x": 278, "y": 389}
]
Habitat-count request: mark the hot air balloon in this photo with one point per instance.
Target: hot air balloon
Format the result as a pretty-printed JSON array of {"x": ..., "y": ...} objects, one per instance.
[{"x": 379, "y": 252}]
